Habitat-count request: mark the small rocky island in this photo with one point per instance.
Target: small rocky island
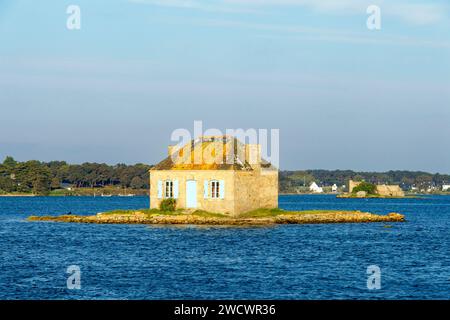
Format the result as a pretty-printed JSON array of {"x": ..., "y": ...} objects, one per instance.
[
  {"x": 364, "y": 189},
  {"x": 198, "y": 217}
]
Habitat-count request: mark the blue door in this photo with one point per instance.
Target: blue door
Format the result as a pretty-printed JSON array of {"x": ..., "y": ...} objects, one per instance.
[{"x": 191, "y": 194}]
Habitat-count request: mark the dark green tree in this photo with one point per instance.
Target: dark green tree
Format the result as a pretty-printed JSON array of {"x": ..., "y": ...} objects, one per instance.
[
  {"x": 55, "y": 183},
  {"x": 9, "y": 162},
  {"x": 369, "y": 188},
  {"x": 137, "y": 183}
]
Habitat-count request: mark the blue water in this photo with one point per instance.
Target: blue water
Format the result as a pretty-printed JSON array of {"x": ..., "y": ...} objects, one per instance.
[{"x": 281, "y": 262}]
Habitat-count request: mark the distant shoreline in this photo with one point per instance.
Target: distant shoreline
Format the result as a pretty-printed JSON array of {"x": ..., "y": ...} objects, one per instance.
[
  {"x": 338, "y": 195},
  {"x": 88, "y": 178},
  {"x": 18, "y": 195}
]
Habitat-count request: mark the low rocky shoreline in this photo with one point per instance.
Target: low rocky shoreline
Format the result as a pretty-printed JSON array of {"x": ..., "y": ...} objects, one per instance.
[
  {"x": 286, "y": 217},
  {"x": 17, "y": 195},
  {"x": 369, "y": 196}
]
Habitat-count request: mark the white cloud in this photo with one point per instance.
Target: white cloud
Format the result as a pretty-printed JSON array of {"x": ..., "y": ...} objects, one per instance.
[
  {"x": 419, "y": 13},
  {"x": 305, "y": 33},
  {"x": 208, "y": 6},
  {"x": 332, "y": 6}
]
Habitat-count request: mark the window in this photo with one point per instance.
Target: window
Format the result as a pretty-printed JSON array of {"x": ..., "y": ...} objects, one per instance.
[
  {"x": 168, "y": 189},
  {"x": 215, "y": 192}
]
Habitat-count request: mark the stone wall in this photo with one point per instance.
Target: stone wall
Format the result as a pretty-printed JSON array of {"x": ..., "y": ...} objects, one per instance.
[
  {"x": 352, "y": 184},
  {"x": 390, "y": 191},
  {"x": 256, "y": 189},
  {"x": 225, "y": 205}
]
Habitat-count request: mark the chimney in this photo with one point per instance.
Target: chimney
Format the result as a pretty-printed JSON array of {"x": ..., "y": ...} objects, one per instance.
[
  {"x": 171, "y": 149},
  {"x": 253, "y": 154}
]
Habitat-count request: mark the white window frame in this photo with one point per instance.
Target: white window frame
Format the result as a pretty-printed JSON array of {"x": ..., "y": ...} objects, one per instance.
[
  {"x": 215, "y": 189},
  {"x": 168, "y": 189}
]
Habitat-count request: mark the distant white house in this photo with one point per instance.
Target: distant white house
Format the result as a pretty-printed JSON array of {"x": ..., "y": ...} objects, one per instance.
[
  {"x": 446, "y": 187},
  {"x": 334, "y": 188},
  {"x": 315, "y": 188}
]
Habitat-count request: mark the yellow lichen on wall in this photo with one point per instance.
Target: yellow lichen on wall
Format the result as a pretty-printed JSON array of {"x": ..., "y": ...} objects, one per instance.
[{"x": 256, "y": 190}]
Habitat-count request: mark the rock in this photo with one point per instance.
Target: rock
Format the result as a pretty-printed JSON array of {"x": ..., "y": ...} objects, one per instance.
[{"x": 361, "y": 194}]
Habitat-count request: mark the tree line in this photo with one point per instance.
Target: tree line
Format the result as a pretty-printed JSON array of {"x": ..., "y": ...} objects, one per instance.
[{"x": 42, "y": 177}]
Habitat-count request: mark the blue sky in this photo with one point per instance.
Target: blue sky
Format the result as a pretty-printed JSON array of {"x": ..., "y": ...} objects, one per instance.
[{"x": 343, "y": 97}]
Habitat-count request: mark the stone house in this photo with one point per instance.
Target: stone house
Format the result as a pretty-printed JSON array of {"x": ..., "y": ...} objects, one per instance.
[
  {"x": 334, "y": 188},
  {"x": 216, "y": 174}
]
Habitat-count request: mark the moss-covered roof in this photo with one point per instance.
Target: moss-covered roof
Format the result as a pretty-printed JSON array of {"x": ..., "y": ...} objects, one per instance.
[{"x": 209, "y": 153}]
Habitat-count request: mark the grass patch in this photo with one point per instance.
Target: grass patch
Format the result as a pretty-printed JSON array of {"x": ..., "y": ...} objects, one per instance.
[
  {"x": 199, "y": 213},
  {"x": 262, "y": 213},
  {"x": 258, "y": 213},
  {"x": 266, "y": 213},
  {"x": 206, "y": 214}
]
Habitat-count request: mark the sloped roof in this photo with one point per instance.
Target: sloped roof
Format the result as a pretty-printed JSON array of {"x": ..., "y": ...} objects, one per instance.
[{"x": 201, "y": 154}]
